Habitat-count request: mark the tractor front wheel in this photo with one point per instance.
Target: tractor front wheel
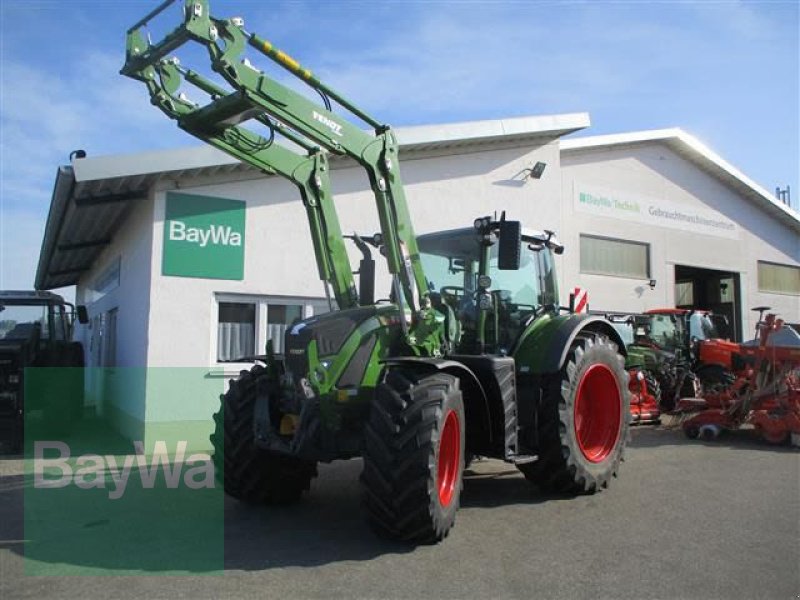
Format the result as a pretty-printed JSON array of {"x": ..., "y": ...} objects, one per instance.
[
  {"x": 414, "y": 456},
  {"x": 246, "y": 471},
  {"x": 583, "y": 420}
]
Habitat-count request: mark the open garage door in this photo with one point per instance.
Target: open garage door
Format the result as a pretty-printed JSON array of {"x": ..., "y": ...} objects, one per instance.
[{"x": 709, "y": 289}]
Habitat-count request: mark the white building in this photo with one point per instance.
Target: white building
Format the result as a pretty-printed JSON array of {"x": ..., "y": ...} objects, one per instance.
[{"x": 649, "y": 219}]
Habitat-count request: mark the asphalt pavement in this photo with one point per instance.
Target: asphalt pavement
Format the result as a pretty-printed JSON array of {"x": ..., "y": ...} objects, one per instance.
[{"x": 685, "y": 519}]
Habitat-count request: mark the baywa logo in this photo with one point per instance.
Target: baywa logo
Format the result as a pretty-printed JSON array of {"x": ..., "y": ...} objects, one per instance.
[
  {"x": 217, "y": 235},
  {"x": 113, "y": 473}
]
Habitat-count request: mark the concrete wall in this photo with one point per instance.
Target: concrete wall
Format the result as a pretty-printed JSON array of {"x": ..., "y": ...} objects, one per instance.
[{"x": 653, "y": 172}]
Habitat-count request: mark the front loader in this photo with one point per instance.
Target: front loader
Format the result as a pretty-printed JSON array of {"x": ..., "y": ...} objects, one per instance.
[{"x": 470, "y": 355}]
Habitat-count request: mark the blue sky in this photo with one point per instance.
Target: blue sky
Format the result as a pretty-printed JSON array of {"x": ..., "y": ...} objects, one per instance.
[{"x": 727, "y": 72}]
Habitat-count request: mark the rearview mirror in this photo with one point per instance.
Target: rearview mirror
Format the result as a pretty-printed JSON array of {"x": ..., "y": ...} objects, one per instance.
[
  {"x": 83, "y": 315},
  {"x": 508, "y": 251}
]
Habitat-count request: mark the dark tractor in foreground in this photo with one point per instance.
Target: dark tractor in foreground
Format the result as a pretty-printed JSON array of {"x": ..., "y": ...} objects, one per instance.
[
  {"x": 470, "y": 354},
  {"x": 36, "y": 331}
]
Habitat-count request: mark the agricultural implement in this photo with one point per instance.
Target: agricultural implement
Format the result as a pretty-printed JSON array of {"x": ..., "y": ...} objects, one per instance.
[
  {"x": 470, "y": 355},
  {"x": 645, "y": 395},
  {"x": 647, "y": 368},
  {"x": 762, "y": 390}
]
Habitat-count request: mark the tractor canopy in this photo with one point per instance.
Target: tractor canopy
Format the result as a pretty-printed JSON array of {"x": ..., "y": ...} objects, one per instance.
[{"x": 452, "y": 263}]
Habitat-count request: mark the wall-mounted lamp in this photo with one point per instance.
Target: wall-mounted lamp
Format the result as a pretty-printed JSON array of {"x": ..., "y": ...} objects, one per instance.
[
  {"x": 77, "y": 154},
  {"x": 537, "y": 170},
  {"x": 652, "y": 284}
]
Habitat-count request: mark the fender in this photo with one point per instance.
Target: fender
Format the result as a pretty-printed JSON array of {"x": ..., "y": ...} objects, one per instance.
[
  {"x": 460, "y": 370},
  {"x": 543, "y": 347}
]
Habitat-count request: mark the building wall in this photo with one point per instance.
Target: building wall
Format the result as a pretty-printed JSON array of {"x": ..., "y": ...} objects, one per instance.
[
  {"x": 166, "y": 378},
  {"x": 654, "y": 172},
  {"x": 116, "y": 388}
]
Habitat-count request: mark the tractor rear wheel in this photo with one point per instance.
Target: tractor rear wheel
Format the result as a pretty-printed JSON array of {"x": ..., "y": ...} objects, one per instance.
[
  {"x": 246, "y": 471},
  {"x": 414, "y": 456},
  {"x": 583, "y": 420}
]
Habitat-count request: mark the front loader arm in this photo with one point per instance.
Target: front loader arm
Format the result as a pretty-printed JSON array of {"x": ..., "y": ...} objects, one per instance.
[
  {"x": 226, "y": 40},
  {"x": 309, "y": 173}
]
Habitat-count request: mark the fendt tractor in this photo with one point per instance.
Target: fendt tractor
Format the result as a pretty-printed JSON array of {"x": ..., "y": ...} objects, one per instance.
[
  {"x": 36, "y": 331},
  {"x": 469, "y": 356}
]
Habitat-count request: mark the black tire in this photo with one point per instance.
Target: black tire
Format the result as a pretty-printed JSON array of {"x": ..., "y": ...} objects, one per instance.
[
  {"x": 249, "y": 473},
  {"x": 564, "y": 466},
  {"x": 653, "y": 387},
  {"x": 414, "y": 422}
]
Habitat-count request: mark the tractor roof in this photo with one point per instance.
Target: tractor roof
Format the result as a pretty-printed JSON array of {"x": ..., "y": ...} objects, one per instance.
[
  {"x": 9, "y": 296},
  {"x": 462, "y": 241}
]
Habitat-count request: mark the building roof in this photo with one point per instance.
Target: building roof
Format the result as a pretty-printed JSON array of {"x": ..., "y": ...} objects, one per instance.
[
  {"x": 91, "y": 197},
  {"x": 692, "y": 149}
]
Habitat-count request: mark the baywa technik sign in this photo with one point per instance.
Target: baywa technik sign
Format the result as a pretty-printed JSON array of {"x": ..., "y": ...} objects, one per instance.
[
  {"x": 652, "y": 211},
  {"x": 203, "y": 237}
]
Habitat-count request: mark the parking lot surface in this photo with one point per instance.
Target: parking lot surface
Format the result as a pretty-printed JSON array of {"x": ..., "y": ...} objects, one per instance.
[{"x": 685, "y": 519}]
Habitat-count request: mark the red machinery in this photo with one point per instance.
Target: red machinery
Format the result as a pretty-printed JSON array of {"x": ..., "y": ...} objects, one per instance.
[
  {"x": 644, "y": 398},
  {"x": 765, "y": 393}
]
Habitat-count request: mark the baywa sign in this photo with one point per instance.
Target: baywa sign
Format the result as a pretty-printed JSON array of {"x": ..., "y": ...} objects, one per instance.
[
  {"x": 203, "y": 237},
  {"x": 652, "y": 211},
  {"x": 94, "y": 470}
]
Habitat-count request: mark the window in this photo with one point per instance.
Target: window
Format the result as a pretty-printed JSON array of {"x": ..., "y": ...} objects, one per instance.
[
  {"x": 20, "y": 322},
  {"x": 684, "y": 293},
  {"x": 279, "y": 317},
  {"x": 106, "y": 282},
  {"x": 59, "y": 323},
  {"x": 246, "y": 323},
  {"x": 779, "y": 279},
  {"x": 621, "y": 258},
  {"x": 236, "y": 331}
]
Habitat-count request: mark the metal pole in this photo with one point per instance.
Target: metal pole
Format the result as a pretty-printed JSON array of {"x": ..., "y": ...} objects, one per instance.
[{"x": 161, "y": 7}]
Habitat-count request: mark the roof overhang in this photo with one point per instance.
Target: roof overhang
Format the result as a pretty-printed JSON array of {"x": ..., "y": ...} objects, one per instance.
[
  {"x": 91, "y": 196},
  {"x": 693, "y": 150}
]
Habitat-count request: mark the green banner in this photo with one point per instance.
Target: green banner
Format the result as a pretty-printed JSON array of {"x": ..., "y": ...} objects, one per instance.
[{"x": 203, "y": 237}]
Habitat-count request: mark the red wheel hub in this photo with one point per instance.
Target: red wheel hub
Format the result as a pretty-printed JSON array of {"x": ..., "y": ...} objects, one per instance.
[
  {"x": 449, "y": 458},
  {"x": 597, "y": 413}
]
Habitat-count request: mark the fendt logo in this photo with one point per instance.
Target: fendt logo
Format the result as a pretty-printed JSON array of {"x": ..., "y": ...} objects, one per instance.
[
  {"x": 329, "y": 123},
  {"x": 217, "y": 235}
]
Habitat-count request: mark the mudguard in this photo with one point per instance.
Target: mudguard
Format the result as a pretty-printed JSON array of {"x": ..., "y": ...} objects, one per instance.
[
  {"x": 543, "y": 346},
  {"x": 470, "y": 381}
]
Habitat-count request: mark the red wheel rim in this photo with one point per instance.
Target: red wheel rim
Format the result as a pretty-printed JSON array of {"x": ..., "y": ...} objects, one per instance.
[
  {"x": 449, "y": 458},
  {"x": 597, "y": 413}
]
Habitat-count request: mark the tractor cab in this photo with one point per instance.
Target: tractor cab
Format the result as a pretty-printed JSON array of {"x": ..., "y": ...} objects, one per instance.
[{"x": 466, "y": 278}]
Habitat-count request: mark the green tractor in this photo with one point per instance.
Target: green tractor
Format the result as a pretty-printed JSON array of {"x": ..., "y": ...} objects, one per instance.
[
  {"x": 659, "y": 345},
  {"x": 471, "y": 353}
]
